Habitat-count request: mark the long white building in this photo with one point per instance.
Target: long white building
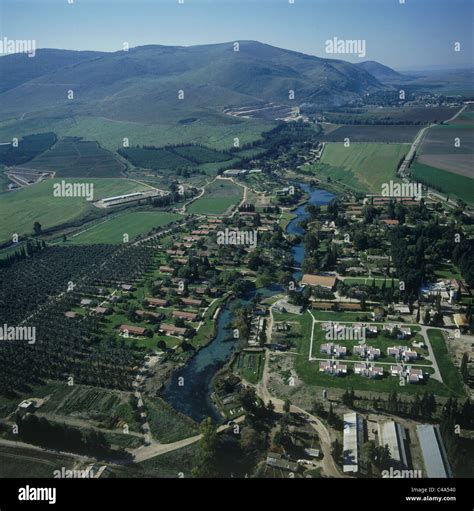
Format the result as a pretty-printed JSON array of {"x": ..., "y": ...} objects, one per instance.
[{"x": 352, "y": 442}]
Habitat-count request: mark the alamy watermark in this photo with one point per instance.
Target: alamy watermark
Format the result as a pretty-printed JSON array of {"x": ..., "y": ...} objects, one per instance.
[
  {"x": 397, "y": 189},
  {"x": 18, "y": 333},
  {"x": 401, "y": 474},
  {"x": 11, "y": 46},
  {"x": 346, "y": 46},
  {"x": 65, "y": 189},
  {"x": 345, "y": 333},
  {"x": 236, "y": 237}
]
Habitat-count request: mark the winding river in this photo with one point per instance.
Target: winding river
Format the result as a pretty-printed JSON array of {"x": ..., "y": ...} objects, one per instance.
[{"x": 193, "y": 398}]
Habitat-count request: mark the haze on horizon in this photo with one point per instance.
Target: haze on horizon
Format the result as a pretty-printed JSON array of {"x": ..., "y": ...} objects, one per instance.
[{"x": 419, "y": 34}]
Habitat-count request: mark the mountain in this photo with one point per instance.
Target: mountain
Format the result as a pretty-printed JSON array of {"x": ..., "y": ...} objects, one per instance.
[
  {"x": 142, "y": 84},
  {"x": 384, "y": 74},
  {"x": 20, "y": 68}
]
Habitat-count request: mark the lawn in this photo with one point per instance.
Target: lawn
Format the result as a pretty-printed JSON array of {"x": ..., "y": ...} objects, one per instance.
[
  {"x": 450, "y": 374},
  {"x": 368, "y": 281},
  {"x": 219, "y": 197},
  {"x": 285, "y": 218},
  {"x": 133, "y": 224},
  {"x": 250, "y": 366},
  {"x": 363, "y": 166},
  {"x": 20, "y": 209}
]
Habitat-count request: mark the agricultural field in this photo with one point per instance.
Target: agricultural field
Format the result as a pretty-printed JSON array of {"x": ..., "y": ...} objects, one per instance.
[
  {"x": 438, "y": 149},
  {"x": 444, "y": 181},
  {"x": 21, "y": 208},
  {"x": 133, "y": 224},
  {"x": 407, "y": 114},
  {"x": 216, "y": 133},
  {"x": 73, "y": 157},
  {"x": 105, "y": 408},
  {"x": 219, "y": 197},
  {"x": 172, "y": 158},
  {"x": 362, "y": 166},
  {"x": 399, "y": 134}
]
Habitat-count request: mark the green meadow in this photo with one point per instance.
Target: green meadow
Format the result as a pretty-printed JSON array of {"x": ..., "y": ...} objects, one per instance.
[{"x": 133, "y": 224}]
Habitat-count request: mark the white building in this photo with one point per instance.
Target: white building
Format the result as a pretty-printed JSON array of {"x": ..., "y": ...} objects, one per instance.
[{"x": 352, "y": 442}]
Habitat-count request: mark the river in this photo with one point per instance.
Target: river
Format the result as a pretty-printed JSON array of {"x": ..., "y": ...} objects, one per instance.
[{"x": 193, "y": 398}]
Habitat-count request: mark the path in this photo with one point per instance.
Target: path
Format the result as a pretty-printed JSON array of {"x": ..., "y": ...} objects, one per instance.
[{"x": 328, "y": 464}]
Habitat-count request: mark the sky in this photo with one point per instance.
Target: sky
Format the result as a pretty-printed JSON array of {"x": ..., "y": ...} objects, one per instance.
[{"x": 416, "y": 34}]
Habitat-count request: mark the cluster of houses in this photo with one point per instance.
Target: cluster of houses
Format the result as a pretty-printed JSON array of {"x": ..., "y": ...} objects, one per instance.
[
  {"x": 332, "y": 368},
  {"x": 368, "y": 370},
  {"x": 367, "y": 352},
  {"x": 334, "y": 350},
  {"x": 402, "y": 353},
  {"x": 408, "y": 373}
]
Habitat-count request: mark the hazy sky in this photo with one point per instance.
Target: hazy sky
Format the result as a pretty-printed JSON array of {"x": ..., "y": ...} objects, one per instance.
[{"x": 418, "y": 33}]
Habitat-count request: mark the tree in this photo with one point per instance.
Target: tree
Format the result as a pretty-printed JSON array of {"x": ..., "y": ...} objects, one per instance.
[
  {"x": 208, "y": 448},
  {"x": 336, "y": 451},
  {"x": 465, "y": 367},
  {"x": 37, "y": 228},
  {"x": 287, "y": 406}
]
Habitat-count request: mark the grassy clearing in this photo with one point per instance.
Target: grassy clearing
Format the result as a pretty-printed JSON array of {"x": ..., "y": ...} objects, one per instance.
[
  {"x": 363, "y": 166},
  {"x": 286, "y": 218},
  {"x": 132, "y": 224},
  {"x": 450, "y": 374},
  {"x": 219, "y": 197},
  {"x": 250, "y": 366}
]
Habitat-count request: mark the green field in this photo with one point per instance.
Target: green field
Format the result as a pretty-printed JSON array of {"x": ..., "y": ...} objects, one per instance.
[
  {"x": 250, "y": 366},
  {"x": 363, "y": 166},
  {"x": 451, "y": 376},
  {"x": 219, "y": 197},
  {"x": 217, "y": 132},
  {"x": 133, "y": 224},
  {"x": 21, "y": 208},
  {"x": 445, "y": 181}
]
